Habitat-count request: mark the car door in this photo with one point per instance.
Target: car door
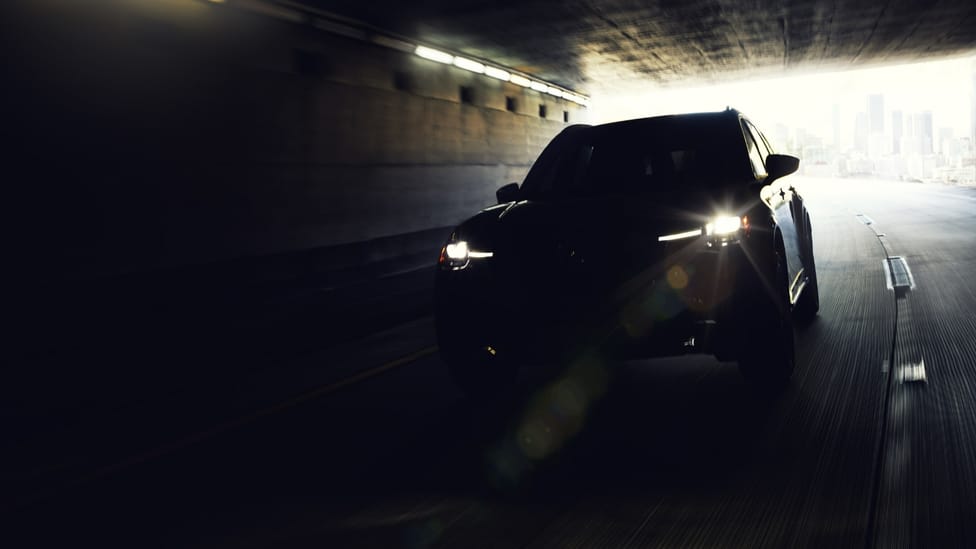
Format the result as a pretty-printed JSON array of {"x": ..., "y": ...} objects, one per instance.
[{"x": 781, "y": 198}]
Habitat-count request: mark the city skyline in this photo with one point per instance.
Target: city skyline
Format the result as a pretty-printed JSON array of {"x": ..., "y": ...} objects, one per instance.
[
  {"x": 907, "y": 122},
  {"x": 814, "y": 101}
]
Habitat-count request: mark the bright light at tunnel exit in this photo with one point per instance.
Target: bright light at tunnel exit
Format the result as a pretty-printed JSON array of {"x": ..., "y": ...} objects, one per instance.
[{"x": 945, "y": 87}]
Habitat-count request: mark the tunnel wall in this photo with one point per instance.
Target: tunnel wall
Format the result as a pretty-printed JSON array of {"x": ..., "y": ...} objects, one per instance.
[{"x": 177, "y": 133}]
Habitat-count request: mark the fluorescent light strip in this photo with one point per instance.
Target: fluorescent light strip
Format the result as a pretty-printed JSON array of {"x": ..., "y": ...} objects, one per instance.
[
  {"x": 498, "y": 73},
  {"x": 434, "y": 55},
  {"x": 353, "y": 30},
  {"x": 679, "y": 236},
  {"x": 469, "y": 64},
  {"x": 494, "y": 72}
]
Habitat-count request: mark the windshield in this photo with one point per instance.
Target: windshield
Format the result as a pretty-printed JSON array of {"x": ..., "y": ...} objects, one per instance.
[{"x": 660, "y": 154}]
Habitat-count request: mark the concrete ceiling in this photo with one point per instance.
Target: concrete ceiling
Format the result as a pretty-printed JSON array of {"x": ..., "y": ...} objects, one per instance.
[{"x": 603, "y": 45}]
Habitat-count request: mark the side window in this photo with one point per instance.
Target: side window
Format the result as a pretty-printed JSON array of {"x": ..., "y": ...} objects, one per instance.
[
  {"x": 764, "y": 149},
  {"x": 566, "y": 172},
  {"x": 755, "y": 156},
  {"x": 769, "y": 146},
  {"x": 576, "y": 179}
]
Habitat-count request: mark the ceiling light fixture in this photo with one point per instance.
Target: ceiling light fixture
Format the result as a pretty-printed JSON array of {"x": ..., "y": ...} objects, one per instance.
[
  {"x": 469, "y": 64},
  {"x": 434, "y": 55},
  {"x": 498, "y": 73}
]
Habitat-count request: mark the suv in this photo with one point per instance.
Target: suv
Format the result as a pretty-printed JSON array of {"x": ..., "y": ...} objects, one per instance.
[{"x": 644, "y": 238}]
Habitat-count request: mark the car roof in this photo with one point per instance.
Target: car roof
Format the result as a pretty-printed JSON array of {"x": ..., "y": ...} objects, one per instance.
[
  {"x": 718, "y": 132},
  {"x": 700, "y": 118}
]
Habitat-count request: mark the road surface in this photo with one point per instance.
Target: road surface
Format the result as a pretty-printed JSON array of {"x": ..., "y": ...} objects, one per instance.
[{"x": 367, "y": 444}]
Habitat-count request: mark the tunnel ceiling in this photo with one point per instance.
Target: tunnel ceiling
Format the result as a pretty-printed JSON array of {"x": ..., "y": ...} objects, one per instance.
[{"x": 602, "y": 45}]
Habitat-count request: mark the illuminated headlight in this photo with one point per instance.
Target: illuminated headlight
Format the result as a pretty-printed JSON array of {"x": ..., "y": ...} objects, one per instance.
[
  {"x": 457, "y": 251},
  {"x": 720, "y": 229},
  {"x": 723, "y": 225},
  {"x": 456, "y": 255},
  {"x": 723, "y": 230}
]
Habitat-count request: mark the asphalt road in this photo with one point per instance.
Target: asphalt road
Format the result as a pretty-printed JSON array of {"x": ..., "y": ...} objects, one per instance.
[{"x": 873, "y": 445}]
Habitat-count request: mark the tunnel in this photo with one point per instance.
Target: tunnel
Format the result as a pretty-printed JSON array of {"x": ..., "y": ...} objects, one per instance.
[{"x": 227, "y": 216}]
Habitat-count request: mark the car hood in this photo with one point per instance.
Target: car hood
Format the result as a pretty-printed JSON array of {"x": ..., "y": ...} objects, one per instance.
[
  {"x": 588, "y": 244},
  {"x": 608, "y": 223}
]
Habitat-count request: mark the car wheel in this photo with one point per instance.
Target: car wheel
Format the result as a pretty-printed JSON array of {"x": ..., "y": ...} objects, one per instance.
[
  {"x": 767, "y": 357},
  {"x": 809, "y": 304}
]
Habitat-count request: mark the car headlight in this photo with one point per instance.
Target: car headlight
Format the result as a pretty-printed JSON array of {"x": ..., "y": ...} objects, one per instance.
[
  {"x": 456, "y": 255},
  {"x": 721, "y": 228},
  {"x": 724, "y": 225}
]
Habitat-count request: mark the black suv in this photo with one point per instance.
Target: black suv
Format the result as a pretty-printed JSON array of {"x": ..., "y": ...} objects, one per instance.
[{"x": 643, "y": 238}]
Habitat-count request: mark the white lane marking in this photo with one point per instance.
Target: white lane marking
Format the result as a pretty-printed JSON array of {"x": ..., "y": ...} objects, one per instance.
[
  {"x": 887, "y": 271},
  {"x": 912, "y": 372},
  {"x": 898, "y": 275},
  {"x": 884, "y": 366}
]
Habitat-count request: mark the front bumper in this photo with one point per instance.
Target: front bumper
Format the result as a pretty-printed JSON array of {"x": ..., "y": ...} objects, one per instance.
[{"x": 689, "y": 300}]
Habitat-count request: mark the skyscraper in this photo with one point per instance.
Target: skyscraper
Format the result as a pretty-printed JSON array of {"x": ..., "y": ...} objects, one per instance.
[
  {"x": 924, "y": 129},
  {"x": 919, "y": 130},
  {"x": 875, "y": 113},
  {"x": 897, "y": 130},
  {"x": 943, "y": 139},
  {"x": 861, "y": 132}
]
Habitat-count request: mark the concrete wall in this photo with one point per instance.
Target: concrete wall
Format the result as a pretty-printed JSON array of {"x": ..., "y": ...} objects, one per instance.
[{"x": 152, "y": 135}]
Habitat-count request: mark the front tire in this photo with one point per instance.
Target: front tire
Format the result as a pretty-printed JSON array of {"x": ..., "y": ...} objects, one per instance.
[{"x": 766, "y": 358}]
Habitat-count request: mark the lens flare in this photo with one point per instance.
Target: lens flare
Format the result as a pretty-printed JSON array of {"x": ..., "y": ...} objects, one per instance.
[{"x": 677, "y": 278}]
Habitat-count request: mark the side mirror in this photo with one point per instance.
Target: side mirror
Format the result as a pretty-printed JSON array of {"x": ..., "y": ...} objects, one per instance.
[
  {"x": 779, "y": 165},
  {"x": 507, "y": 193}
]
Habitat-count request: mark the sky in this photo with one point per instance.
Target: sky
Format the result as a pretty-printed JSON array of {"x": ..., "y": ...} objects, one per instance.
[{"x": 806, "y": 101}]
